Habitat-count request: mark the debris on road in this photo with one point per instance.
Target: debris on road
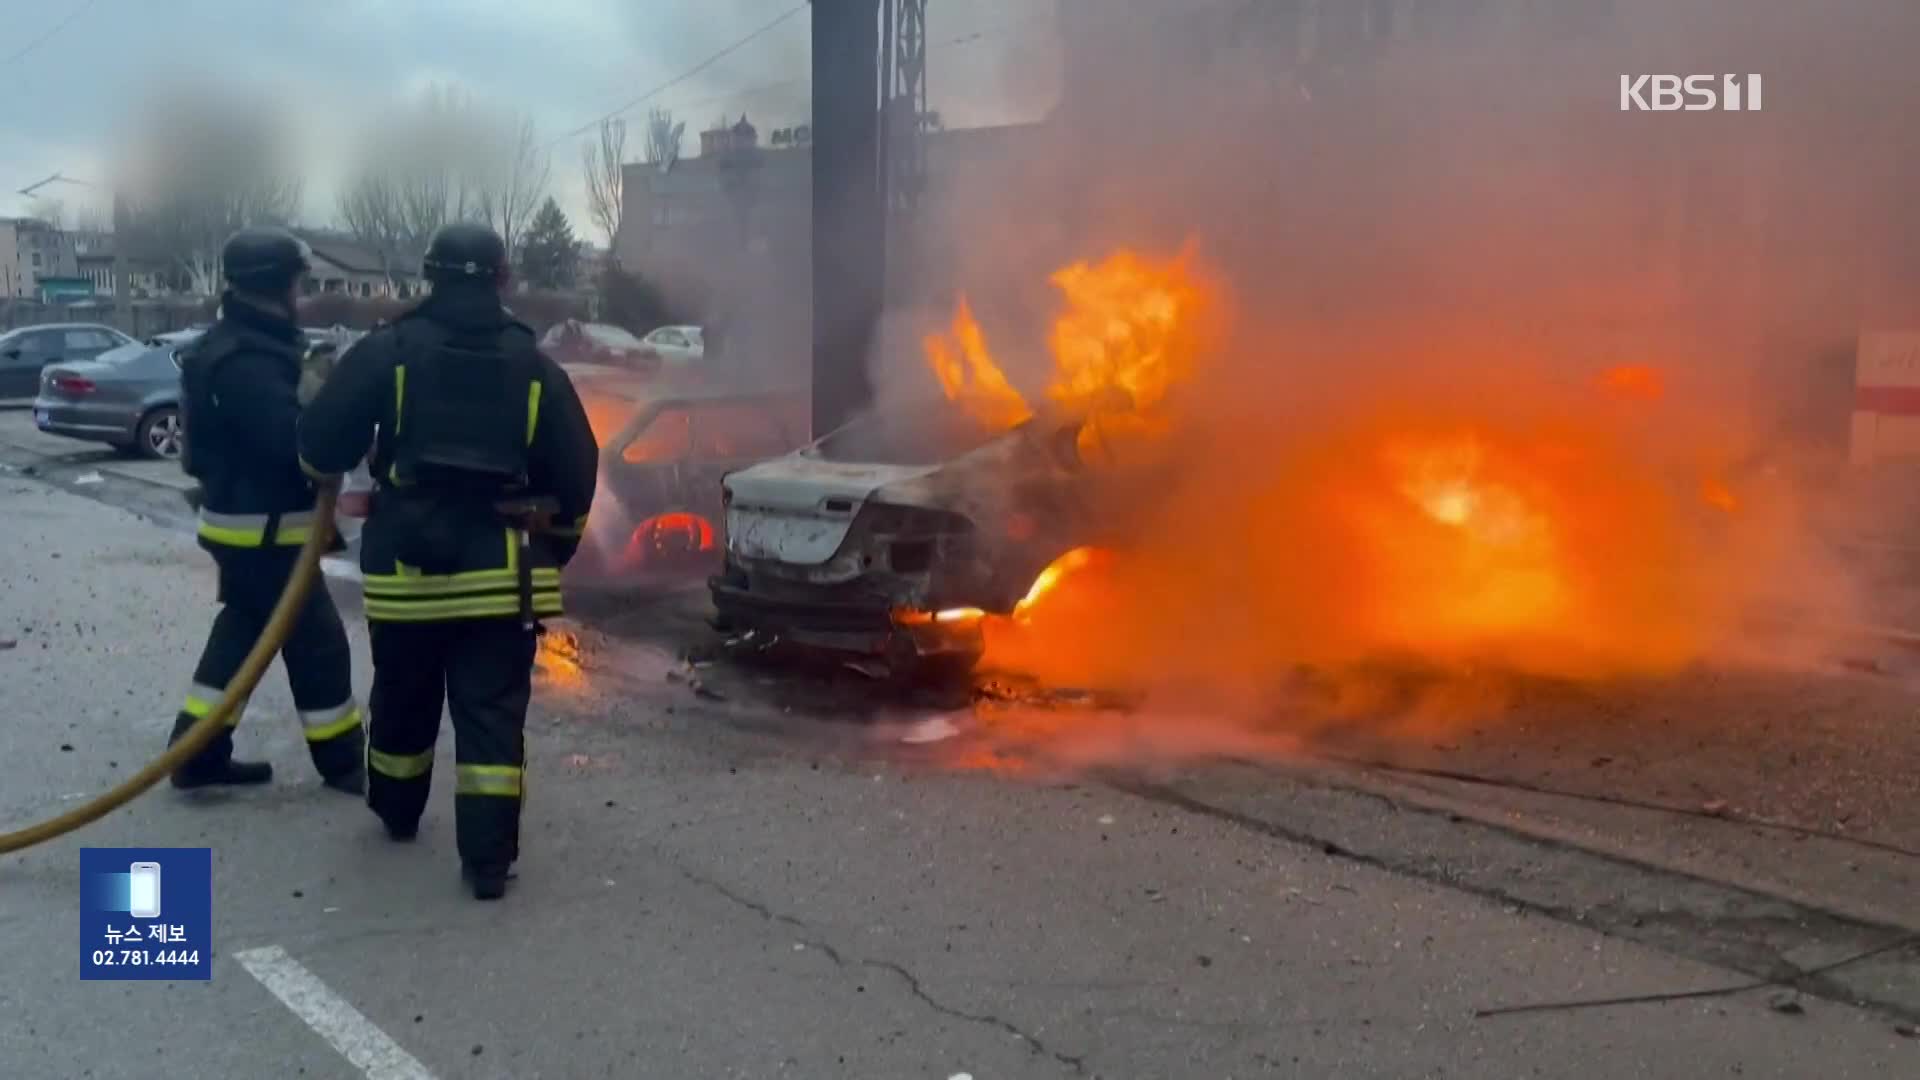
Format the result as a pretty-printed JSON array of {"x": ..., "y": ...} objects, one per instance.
[
  {"x": 8, "y": 643},
  {"x": 1787, "y": 1004},
  {"x": 1715, "y": 807},
  {"x": 931, "y": 730},
  {"x": 89, "y": 478},
  {"x": 708, "y": 693}
]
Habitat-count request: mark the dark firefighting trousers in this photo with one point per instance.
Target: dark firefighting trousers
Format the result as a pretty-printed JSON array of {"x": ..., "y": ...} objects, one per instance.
[
  {"x": 316, "y": 657},
  {"x": 482, "y": 669}
]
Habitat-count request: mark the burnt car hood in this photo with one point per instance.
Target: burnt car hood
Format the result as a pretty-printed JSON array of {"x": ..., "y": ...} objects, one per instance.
[{"x": 797, "y": 511}]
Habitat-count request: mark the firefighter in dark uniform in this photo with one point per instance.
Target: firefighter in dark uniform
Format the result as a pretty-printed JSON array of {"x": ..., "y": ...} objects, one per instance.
[
  {"x": 485, "y": 468},
  {"x": 241, "y": 397}
]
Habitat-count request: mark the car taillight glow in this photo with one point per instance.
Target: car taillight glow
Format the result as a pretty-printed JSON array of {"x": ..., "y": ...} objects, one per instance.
[{"x": 73, "y": 384}]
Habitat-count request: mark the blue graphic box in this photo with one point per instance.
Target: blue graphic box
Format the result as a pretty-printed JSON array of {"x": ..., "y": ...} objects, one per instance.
[{"x": 146, "y": 914}]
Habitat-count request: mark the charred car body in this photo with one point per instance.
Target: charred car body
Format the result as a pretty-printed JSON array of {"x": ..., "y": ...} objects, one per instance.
[{"x": 896, "y": 535}]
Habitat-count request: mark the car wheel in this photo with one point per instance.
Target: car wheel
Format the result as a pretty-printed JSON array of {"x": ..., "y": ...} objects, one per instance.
[{"x": 161, "y": 434}]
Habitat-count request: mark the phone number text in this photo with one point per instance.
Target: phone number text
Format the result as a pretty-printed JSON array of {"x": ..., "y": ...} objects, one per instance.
[{"x": 145, "y": 957}]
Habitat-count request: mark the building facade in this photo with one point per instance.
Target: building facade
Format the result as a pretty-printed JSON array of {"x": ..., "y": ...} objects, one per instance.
[{"x": 31, "y": 251}]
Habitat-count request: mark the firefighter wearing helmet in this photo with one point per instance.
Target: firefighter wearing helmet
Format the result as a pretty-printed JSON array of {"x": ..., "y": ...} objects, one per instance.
[
  {"x": 485, "y": 467},
  {"x": 242, "y": 391}
]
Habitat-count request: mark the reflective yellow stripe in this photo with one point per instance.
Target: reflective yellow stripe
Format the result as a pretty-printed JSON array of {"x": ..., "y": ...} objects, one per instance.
[
  {"x": 398, "y": 586},
  {"x": 399, "y": 394},
  {"x": 201, "y": 700},
  {"x": 480, "y": 607},
  {"x": 578, "y": 528},
  {"x": 400, "y": 766},
  {"x": 330, "y": 723},
  {"x": 501, "y": 780},
  {"x": 533, "y": 409},
  {"x": 250, "y": 530}
]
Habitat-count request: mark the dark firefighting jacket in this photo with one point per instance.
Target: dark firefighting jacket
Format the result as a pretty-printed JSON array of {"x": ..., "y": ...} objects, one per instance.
[
  {"x": 240, "y": 409},
  {"x": 481, "y": 565}
]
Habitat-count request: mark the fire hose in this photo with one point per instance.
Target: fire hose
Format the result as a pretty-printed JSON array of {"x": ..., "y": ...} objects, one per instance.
[{"x": 279, "y": 625}]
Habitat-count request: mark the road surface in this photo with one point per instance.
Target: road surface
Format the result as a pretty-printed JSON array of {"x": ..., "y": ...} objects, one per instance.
[{"x": 741, "y": 883}]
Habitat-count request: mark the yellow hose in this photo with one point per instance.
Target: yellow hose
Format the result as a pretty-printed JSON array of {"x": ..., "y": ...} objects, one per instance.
[{"x": 279, "y": 625}]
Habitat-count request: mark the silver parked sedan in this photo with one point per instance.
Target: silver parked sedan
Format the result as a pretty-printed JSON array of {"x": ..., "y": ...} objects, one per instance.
[{"x": 128, "y": 398}]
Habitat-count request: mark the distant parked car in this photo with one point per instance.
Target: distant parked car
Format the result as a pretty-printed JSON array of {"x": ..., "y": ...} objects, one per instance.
[
  {"x": 128, "y": 398},
  {"x": 677, "y": 346},
  {"x": 26, "y": 352},
  {"x": 576, "y": 344}
]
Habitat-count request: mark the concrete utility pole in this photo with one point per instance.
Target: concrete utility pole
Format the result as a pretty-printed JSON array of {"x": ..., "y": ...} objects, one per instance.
[{"x": 849, "y": 218}]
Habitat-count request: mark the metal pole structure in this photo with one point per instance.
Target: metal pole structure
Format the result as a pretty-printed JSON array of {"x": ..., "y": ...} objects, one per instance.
[
  {"x": 849, "y": 221},
  {"x": 906, "y": 103},
  {"x": 122, "y": 302}
]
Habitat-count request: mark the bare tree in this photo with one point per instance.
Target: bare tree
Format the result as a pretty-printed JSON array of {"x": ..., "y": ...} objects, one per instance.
[
  {"x": 606, "y": 163},
  {"x": 203, "y": 164},
  {"x": 440, "y": 150},
  {"x": 422, "y": 165},
  {"x": 663, "y": 139},
  {"x": 370, "y": 207},
  {"x": 513, "y": 180}
]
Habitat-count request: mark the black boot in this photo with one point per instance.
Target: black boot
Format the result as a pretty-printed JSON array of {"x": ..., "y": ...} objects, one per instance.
[
  {"x": 401, "y": 831},
  {"x": 351, "y": 782},
  {"x": 489, "y": 880},
  {"x": 223, "y": 773}
]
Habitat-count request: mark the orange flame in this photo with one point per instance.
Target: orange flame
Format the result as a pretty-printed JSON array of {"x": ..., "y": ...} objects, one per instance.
[
  {"x": 971, "y": 377},
  {"x": 558, "y": 658},
  {"x": 1126, "y": 337},
  {"x": 1128, "y": 328},
  {"x": 1636, "y": 382}
]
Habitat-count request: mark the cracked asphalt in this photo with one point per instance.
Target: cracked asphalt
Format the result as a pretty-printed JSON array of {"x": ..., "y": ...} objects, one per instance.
[{"x": 716, "y": 889}]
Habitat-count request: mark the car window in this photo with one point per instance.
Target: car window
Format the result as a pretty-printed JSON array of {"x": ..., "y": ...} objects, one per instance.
[
  {"x": 735, "y": 431},
  {"x": 88, "y": 341},
  {"x": 673, "y": 338},
  {"x": 668, "y": 437}
]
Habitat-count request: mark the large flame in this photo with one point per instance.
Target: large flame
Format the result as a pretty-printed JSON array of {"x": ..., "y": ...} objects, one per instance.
[
  {"x": 1127, "y": 335},
  {"x": 1530, "y": 526},
  {"x": 971, "y": 377}
]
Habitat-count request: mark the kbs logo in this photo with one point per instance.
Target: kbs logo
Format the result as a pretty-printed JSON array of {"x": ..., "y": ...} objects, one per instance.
[{"x": 1691, "y": 93}]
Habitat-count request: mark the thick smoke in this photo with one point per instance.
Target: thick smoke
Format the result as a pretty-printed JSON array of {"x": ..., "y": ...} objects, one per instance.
[{"x": 1430, "y": 259}]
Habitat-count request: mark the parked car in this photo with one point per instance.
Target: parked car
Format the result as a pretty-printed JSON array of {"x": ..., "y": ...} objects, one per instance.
[
  {"x": 26, "y": 352},
  {"x": 677, "y": 346},
  {"x": 574, "y": 344},
  {"x": 661, "y": 513},
  {"x": 128, "y": 398}
]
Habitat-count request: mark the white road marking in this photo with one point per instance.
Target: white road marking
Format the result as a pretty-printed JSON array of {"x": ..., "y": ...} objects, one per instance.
[{"x": 357, "y": 1039}]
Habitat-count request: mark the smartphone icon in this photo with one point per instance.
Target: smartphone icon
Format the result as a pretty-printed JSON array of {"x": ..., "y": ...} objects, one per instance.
[{"x": 143, "y": 892}]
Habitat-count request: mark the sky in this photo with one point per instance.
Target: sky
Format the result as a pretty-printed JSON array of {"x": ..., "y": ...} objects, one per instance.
[{"x": 69, "y": 70}]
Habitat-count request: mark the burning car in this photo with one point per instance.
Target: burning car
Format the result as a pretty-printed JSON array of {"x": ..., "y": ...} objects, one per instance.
[
  {"x": 902, "y": 534},
  {"x": 897, "y": 536},
  {"x": 661, "y": 460}
]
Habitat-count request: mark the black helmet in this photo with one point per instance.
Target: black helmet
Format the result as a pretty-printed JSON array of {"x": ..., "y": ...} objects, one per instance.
[
  {"x": 465, "y": 249},
  {"x": 265, "y": 259}
]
